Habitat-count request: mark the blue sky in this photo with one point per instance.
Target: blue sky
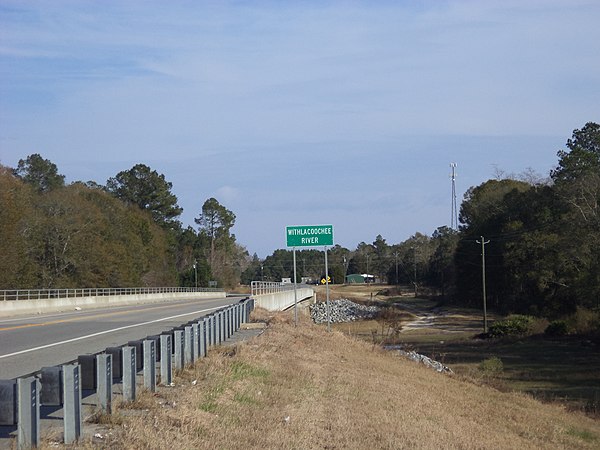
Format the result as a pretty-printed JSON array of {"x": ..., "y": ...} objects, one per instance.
[{"x": 309, "y": 112}]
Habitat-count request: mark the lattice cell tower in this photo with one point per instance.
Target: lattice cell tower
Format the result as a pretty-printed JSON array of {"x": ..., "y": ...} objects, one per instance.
[{"x": 454, "y": 213}]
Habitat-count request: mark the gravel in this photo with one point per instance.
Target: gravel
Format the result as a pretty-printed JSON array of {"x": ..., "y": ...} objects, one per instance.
[
  {"x": 417, "y": 357},
  {"x": 342, "y": 310},
  {"x": 431, "y": 363}
]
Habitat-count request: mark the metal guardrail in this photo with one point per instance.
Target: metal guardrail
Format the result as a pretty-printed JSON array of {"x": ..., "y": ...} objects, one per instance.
[
  {"x": 62, "y": 386},
  {"x": 43, "y": 294},
  {"x": 272, "y": 287}
]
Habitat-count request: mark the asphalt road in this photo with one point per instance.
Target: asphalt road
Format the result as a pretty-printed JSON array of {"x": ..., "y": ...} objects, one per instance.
[{"x": 29, "y": 343}]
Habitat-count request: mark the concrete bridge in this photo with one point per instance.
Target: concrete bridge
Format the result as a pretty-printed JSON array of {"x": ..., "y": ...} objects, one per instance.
[
  {"x": 268, "y": 295},
  {"x": 38, "y": 301}
]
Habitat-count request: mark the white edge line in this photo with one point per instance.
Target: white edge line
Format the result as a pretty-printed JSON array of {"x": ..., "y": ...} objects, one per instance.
[{"x": 104, "y": 332}]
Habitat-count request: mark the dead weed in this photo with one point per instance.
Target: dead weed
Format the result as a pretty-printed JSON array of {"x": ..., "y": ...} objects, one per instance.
[{"x": 303, "y": 388}]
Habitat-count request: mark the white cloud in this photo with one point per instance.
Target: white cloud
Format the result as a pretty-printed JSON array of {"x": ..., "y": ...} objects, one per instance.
[
  {"x": 291, "y": 100},
  {"x": 227, "y": 194}
]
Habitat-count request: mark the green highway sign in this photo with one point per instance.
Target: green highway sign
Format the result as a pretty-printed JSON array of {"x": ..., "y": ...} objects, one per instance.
[{"x": 309, "y": 235}]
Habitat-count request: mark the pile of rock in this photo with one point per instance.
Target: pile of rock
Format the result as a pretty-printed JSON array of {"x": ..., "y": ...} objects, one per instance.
[
  {"x": 342, "y": 310},
  {"x": 433, "y": 364}
]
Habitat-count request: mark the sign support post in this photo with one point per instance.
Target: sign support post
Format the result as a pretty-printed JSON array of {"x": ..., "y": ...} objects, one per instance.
[
  {"x": 295, "y": 292},
  {"x": 327, "y": 291},
  {"x": 310, "y": 236}
]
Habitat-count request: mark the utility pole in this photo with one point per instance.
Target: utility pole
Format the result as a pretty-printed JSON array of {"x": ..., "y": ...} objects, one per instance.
[
  {"x": 415, "y": 268},
  {"x": 483, "y": 242},
  {"x": 196, "y": 273},
  {"x": 454, "y": 213}
]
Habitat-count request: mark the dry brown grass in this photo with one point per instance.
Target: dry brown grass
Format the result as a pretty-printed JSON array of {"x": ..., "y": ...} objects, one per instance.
[
  {"x": 303, "y": 388},
  {"x": 355, "y": 292}
]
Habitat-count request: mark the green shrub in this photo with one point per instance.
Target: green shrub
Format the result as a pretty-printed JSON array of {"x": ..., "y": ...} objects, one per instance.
[
  {"x": 557, "y": 328},
  {"x": 515, "y": 325},
  {"x": 491, "y": 366}
]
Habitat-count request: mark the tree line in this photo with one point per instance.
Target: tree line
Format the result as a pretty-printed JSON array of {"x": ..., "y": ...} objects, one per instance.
[
  {"x": 123, "y": 234},
  {"x": 541, "y": 235}
]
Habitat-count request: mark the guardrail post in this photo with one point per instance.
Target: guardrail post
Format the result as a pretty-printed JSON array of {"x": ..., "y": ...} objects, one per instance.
[
  {"x": 150, "y": 365},
  {"x": 52, "y": 384},
  {"x": 8, "y": 402},
  {"x": 228, "y": 334},
  {"x": 72, "y": 419},
  {"x": 232, "y": 319},
  {"x": 234, "y": 314},
  {"x": 166, "y": 369},
  {"x": 211, "y": 329},
  {"x": 217, "y": 327},
  {"x": 224, "y": 325},
  {"x": 195, "y": 341},
  {"x": 207, "y": 331},
  {"x": 188, "y": 345},
  {"x": 129, "y": 373},
  {"x": 179, "y": 342},
  {"x": 28, "y": 423},
  {"x": 202, "y": 338},
  {"x": 216, "y": 331},
  {"x": 104, "y": 375},
  {"x": 226, "y": 320},
  {"x": 139, "y": 350},
  {"x": 206, "y": 320},
  {"x": 157, "y": 349}
]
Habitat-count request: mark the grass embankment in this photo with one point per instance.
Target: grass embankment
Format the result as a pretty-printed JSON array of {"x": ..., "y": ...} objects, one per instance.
[
  {"x": 559, "y": 369},
  {"x": 301, "y": 387}
]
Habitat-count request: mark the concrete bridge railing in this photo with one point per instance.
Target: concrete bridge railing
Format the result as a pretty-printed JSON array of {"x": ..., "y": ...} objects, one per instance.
[
  {"x": 279, "y": 296},
  {"x": 13, "y": 302}
]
